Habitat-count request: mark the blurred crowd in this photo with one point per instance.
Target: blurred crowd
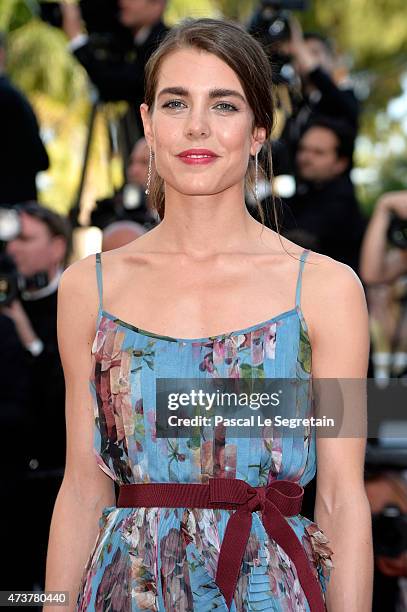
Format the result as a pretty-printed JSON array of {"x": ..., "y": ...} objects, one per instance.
[{"x": 316, "y": 129}]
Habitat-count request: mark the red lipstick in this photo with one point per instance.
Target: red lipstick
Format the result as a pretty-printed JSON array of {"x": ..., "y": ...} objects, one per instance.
[{"x": 197, "y": 156}]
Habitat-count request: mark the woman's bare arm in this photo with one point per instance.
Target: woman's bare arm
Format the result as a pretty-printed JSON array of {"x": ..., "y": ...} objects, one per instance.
[
  {"x": 85, "y": 489},
  {"x": 340, "y": 348}
]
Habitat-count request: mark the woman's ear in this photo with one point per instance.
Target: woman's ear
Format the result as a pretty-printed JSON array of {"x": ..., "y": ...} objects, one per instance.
[
  {"x": 148, "y": 131},
  {"x": 258, "y": 139}
]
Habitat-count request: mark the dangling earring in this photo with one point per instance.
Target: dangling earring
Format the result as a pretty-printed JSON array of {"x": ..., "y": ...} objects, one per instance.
[
  {"x": 256, "y": 182},
  {"x": 147, "y": 191}
]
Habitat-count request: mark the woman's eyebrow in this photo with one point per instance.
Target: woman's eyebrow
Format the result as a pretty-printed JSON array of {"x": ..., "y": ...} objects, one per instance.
[{"x": 213, "y": 93}]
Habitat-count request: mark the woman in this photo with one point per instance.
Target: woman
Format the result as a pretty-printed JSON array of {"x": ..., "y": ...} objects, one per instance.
[{"x": 165, "y": 301}]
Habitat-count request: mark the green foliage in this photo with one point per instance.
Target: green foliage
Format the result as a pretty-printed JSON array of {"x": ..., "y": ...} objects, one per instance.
[
  {"x": 13, "y": 14},
  {"x": 33, "y": 45},
  {"x": 232, "y": 9},
  {"x": 180, "y": 9}
]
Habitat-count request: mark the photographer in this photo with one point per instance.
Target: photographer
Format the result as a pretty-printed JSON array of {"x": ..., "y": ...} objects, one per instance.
[
  {"x": 324, "y": 214},
  {"x": 304, "y": 75},
  {"x": 39, "y": 253},
  {"x": 114, "y": 63},
  {"x": 383, "y": 262},
  {"x": 24, "y": 154},
  {"x": 378, "y": 263},
  {"x": 313, "y": 59}
]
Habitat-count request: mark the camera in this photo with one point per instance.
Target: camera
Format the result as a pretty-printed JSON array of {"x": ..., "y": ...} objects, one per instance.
[
  {"x": 270, "y": 25},
  {"x": 397, "y": 231},
  {"x": 389, "y": 531},
  {"x": 270, "y": 22}
]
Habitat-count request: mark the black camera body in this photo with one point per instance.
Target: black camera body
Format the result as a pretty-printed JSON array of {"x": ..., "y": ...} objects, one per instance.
[
  {"x": 397, "y": 231},
  {"x": 389, "y": 532},
  {"x": 271, "y": 21},
  {"x": 100, "y": 16},
  {"x": 270, "y": 25}
]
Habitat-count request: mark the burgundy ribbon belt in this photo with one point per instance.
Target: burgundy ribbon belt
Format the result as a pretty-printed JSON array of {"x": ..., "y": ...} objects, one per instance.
[{"x": 275, "y": 501}]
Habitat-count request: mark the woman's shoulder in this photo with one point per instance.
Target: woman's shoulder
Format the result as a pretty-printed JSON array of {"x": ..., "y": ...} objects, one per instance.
[
  {"x": 328, "y": 276},
  {"x": 333, "y": 295},
  {"x": 324, "y": 275},
  {"x": 77, "y": 278},
  {"x": 79, "y": 281},
  {"x": 78, "y": 296}
]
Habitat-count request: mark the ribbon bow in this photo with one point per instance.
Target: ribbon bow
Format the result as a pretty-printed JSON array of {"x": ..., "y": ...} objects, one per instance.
[{"x": 278, "y": 499}]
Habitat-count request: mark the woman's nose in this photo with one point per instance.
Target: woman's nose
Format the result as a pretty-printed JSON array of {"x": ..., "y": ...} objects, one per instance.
[{"x": 197, "y": 124}]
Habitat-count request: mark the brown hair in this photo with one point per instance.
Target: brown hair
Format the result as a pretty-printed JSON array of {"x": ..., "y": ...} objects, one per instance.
[{"x": 238, "y": 49}]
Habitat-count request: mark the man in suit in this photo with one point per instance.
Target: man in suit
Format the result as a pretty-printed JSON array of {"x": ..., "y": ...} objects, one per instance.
[{"x": 23, "y": 153}]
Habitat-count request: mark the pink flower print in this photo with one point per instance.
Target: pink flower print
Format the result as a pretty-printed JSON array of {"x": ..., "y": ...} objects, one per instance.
[
  {"x": 229, "y": 347},
  {"x": 105, "y": 468},
  {"x": 118, "y": 417},
  {"x": 110, "y": 357},
  {"x": 206, "y": 460},
  {"x": 170, "y": 553},
  {"x": 151, "y": 421},
  {"x": 230, "y": 458},
  {"x": 138, "y": 408},
  {"x": 234, "y": 370},
  {"x": 115, "y": 583},
  {"x": 98, "y": 342},
  {"x": 127, "y": 414},
  {"x": 188, "y": 527},
  {"x": 107, "y": 407},
  {"x": 207, "y": 364},
  {"x": 219, "y": 352},
  {"x": 322, "y": 553},
  {"x": 106, "y": 327}
]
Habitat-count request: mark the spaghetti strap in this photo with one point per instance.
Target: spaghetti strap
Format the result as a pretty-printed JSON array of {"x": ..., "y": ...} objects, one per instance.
[
  {"x": 99, "y": 281},
  {"x": 299, "y": 279}
]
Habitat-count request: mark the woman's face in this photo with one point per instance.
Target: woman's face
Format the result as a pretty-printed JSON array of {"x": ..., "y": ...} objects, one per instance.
[{"x": 200, "y": 105}]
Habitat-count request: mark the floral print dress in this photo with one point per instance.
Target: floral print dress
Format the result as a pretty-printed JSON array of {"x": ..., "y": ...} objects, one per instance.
[{"x": 165, "y": 559}]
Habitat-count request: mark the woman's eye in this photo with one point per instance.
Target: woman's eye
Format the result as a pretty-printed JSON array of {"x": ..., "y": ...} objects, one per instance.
[
  {"x": 171, "y": 104},
  {"x": 226, "y": 105}
]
